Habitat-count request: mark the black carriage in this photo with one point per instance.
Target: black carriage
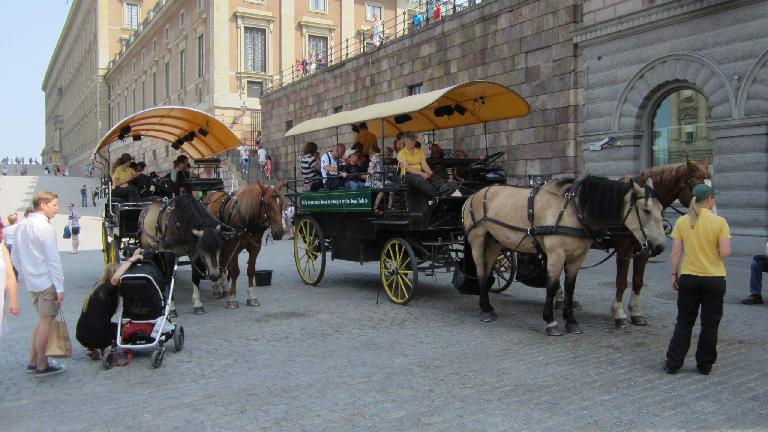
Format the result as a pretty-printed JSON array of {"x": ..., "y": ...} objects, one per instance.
[
  {"x": 196, "y": 133},
  {"x": 416, "y": 235}
]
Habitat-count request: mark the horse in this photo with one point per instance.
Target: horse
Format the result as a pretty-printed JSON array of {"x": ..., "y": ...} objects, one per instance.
[
  {"x": 184, "y": 226},
  {"x": 249, "y": 212},
  {"x": 671, "y": 182},
  {"x": 560, "y": 222}
]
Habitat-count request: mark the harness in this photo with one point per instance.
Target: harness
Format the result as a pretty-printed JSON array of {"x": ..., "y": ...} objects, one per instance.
[{"x": 532, "y": 231}]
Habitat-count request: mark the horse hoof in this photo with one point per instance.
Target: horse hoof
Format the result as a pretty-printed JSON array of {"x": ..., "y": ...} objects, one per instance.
[
  {"x": 576, "y": 305},
  {"x": 173, "y": 314},
  {"x": 232, "y": 304},
  {"x": 252, "y": 302},
  {"x": 639, "y": 321},
  {"x": 553, "y": 331},
  {"x": 573, "y": 328},
  {"x": 621, "y": 323},
  {"x": 198, "y": 310},
  {"x": 559, "y": 304},
  {"x": 488, "y": 316}
]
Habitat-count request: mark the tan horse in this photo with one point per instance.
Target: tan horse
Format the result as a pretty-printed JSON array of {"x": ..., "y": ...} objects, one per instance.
[
  {"x": 248, "y": 212},
  {"x": 497, "y": 217}
]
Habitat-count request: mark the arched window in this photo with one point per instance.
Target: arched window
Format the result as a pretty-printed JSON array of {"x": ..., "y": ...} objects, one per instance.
[{"x": 680, "y": 130}]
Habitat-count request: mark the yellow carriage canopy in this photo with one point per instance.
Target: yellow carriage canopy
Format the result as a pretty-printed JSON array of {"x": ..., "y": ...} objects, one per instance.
[
  {"x": 464, "y": 104},
  {"x": 197, "y": 133}
]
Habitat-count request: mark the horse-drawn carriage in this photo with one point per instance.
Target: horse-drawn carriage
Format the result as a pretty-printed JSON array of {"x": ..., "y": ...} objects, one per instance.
[
  {"x": 198, "y": 134},
  {"x": 417, "y": 234}
]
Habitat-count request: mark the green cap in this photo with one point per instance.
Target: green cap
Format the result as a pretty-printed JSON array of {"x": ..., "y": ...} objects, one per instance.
[{"x": 701, "y": 192}]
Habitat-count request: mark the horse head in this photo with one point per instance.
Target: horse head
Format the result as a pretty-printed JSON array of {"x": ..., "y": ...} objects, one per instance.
[
  {"x": 274, "y": 204},
  {"x": 643, "y": 217},
  {"x": 689, "y": 174},
  {"x": 209, "y": 245}
]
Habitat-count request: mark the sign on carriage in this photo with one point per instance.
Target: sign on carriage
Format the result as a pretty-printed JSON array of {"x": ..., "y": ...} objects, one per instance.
[{"x": 352, "y": 201}]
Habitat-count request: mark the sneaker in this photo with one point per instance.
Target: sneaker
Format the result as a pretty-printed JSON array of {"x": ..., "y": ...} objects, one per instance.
[
  {"x": 32, "y": 368},
  {"x": 50, "y": 370},
  {"x": 753, "y": 299}
]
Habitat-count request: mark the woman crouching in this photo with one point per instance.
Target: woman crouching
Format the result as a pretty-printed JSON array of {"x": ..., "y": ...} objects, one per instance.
[{"x": 95, "y": 329}]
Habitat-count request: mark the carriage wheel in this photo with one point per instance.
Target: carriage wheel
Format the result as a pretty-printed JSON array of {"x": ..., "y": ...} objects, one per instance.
[
  {"x": 399, "y": 270},
  {"x": 178, "y": 339},
  {"x": 503, "y": 271},
  {"x": 309, "y": 251},
  {"x": 105, "y": 245},
  {"x": 114, "y": 250}
]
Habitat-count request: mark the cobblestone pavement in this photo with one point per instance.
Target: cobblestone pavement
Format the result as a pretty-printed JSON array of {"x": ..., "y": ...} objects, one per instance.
[{"x": 329, "y": 358}]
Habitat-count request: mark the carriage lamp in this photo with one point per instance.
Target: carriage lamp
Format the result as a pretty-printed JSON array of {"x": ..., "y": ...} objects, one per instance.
[
  {"x": 177, "y": 144},
  {"x": 137, "y": 137},
  {"x": 203, "y": 133},
  {"x": 403, "y": 118},
  {"x": 459, "y": 108},
  {"x": 190, "y": 136},
  {"x": 443, "y": 111}
]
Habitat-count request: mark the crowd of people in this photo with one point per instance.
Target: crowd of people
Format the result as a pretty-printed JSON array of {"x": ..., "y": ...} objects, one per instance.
[
  {"x": 315, "y": 62},
  {"x": 19, "y": 160}
]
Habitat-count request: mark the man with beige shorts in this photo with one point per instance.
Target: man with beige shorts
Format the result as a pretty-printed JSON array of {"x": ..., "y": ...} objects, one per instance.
[{"x": 37, "y": 259}]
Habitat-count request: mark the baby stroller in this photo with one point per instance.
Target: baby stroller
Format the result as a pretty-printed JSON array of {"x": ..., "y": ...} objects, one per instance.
[{"x": 145, "y": 291}]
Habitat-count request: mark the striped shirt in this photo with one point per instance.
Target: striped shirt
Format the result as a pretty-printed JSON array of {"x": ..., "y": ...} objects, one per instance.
[{"x": 309, "y": 170}]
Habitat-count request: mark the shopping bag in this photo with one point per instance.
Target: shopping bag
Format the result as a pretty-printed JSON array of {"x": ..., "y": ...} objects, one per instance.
[
  {"x": 59, "y": 344},
  {"x": 67, "y": 232}
]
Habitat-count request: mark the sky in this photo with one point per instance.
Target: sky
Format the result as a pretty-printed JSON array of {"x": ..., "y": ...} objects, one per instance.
[{"x": 28, "y": 35}]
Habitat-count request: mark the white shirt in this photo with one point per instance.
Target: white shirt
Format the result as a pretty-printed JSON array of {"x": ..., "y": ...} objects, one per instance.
[
  {"x": 36, "y": 256},
  {"x": 262, "y": 155},
  {"x": 327, "y": 159},
  {"x": 9, "y": 232},
  {"x": 243, "y": 152}
]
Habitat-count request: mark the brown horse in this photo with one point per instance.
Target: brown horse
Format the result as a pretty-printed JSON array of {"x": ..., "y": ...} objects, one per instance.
[
  {"x": 248, "y": 213},
  {"x": 671, "y": 182},
  {"x": 559, "y": 220}
]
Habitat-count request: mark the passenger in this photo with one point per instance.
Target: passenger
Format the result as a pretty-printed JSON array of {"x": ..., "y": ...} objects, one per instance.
[
  {"x": 375, "y": 178},
  {"x": 142, "y": 181},
  {"x": 329, "y": 164},
  {"x": 461, "y": 173},
  {"x": 180, "y": 173},
  {"x": 351, "y": 172},
  {"x": 366, "y": 138},
  {"x": 436, "y": 154},
  {"x": 415, "y": 169},
  {"x": 95, "y": 329},
  {"x": 362, "y": 159},
  {"x": 310, "y": 167},
  {"x": 122, "y": 174}
]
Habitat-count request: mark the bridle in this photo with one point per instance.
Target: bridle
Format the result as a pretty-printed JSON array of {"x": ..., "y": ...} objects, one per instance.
[{"x": 633, "y": 205}]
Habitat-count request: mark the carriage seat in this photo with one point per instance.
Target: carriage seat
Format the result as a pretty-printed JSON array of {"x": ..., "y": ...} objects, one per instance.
[{"x": 205, "y": 185}]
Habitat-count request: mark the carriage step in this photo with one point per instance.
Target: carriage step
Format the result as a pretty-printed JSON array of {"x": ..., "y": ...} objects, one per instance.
[{"x": 183, "y": 263}]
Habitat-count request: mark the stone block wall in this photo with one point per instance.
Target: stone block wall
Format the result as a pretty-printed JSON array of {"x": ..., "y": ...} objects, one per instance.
[{"x": 525, "y": 45}]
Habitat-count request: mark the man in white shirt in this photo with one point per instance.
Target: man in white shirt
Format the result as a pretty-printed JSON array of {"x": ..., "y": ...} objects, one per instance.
[
  {"x": 244, "y": 158},
  {"x": 37, "y": 259},
  {"x": 262, "y": 156}
]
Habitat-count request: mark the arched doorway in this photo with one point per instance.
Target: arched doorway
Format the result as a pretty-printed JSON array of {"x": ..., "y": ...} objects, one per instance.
[{"x": 679, "y": 128}]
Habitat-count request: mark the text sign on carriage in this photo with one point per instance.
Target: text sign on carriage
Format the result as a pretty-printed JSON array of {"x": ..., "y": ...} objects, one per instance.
[{"x": 347, "y": 200}]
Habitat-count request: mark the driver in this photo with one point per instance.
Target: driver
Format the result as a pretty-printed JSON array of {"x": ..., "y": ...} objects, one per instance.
[{"x": 415, "y": 169}]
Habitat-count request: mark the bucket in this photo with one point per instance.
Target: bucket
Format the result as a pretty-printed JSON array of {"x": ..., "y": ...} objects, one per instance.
[{"x": 263, "y": 277}]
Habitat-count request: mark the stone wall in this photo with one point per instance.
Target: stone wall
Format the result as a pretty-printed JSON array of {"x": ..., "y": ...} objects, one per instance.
[
  {"x": 717, "y": 48},
  {"x": 525, "y": 45}
]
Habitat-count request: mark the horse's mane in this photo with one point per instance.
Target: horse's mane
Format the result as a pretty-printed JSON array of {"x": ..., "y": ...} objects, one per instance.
[
  {"x": 249, "y": 205},
  {"x": 191, "y": 214},
  {"x": 600, "y": 200}
]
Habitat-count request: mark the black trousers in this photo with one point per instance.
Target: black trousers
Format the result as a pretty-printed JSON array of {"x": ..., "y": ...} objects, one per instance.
[
  {"x": 128, "y": 192},
  {"x": 429, "y": 186},
  {"x": 706, "y": 292}
]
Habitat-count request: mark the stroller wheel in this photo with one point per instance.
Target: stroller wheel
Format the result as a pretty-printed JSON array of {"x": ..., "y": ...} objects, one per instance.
[
  {"x": 157, "y": 358},
  {"x": 178, "y": 339},
  {"x": 108, "y": 361}
]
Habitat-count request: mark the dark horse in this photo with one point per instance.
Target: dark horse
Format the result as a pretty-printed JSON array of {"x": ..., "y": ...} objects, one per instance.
[
  {"x": 671, "y": 182},
  {"x": 184, "y": 226},
  {"x": 249, "y": 212},
  {"x": 558, "y": 220}
]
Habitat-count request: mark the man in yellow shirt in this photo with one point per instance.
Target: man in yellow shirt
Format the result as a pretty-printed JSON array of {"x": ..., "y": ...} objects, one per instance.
[
  {"x": 706, "y": 241},
  {"x": 415, "y": 169},
  {"x": 366, "y": 138}
]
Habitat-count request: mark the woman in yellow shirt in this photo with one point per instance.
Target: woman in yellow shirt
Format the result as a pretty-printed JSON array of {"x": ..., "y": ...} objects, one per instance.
[
  {"x": 415, "y": 169},
  {"x": 706, "y": 240},
  {"x": 122, "y": 174}
]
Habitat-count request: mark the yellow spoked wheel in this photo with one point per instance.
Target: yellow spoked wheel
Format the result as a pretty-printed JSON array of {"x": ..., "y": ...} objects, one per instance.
[
  {"x": 309, "y": 250},
  {"x": 503, "y": 271},
  {"x": 109, "y": 247},
  {"x": 399, "y": 271}
]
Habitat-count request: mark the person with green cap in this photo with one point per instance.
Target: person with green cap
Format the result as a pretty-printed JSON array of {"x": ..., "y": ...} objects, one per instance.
[{"x": 705, "y": 240}]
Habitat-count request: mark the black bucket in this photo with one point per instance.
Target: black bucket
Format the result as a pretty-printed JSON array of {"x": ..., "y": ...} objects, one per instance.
[{"x": 263, "y": 277}]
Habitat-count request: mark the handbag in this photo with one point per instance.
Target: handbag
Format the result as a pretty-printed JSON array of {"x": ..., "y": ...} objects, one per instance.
[
  {"x": 59, "y": 344},
  {"x": 67, "y": 232}
]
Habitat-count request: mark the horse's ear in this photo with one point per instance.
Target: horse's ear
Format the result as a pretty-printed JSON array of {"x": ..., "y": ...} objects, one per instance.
[
  {"x": 691, "y": 164},
  {"x": 280, "y": 185},
  {"x": 649, "y": 182},
  {"x": 197, "y": 233},
  {"x": 705, "y": 162},
  {"x": 258, "y": 183}
]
